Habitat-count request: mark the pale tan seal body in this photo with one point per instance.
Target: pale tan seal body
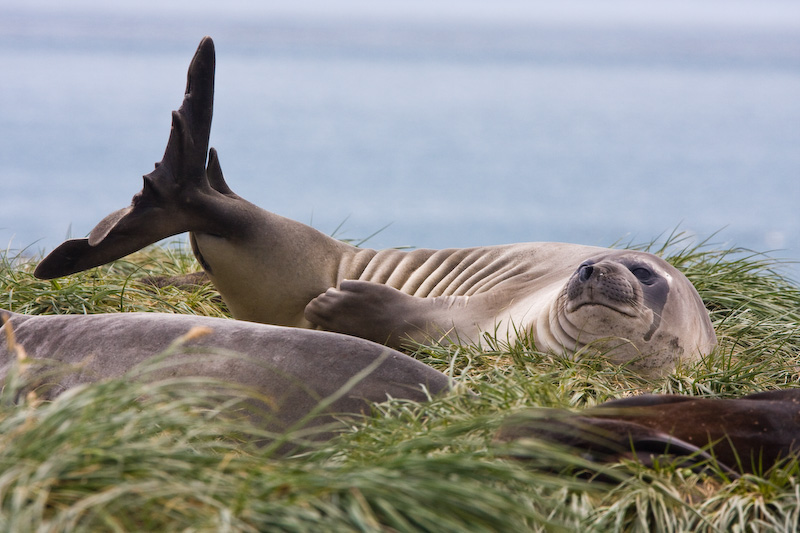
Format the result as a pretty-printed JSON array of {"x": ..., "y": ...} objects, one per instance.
[
  {"x": 274, "y": 270},
  {"x": 563, "y": 296}
]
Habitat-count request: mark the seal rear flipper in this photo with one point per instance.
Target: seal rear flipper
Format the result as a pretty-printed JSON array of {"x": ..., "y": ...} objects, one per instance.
[
  {"x": 76, "y": 255},
  {"x": 185, "y": 156},
  {"x": 168, "y": 202},
  {"x": 215, "y": 177},
  {"x": 104, "y": 227}
]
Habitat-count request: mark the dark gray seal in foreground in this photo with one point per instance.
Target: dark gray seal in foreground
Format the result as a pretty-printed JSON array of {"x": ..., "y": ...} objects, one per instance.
[
  {"x": 631, "y": 305},
  {"x": 744, "y": 435},
  {"x": 293, "y": 369}
]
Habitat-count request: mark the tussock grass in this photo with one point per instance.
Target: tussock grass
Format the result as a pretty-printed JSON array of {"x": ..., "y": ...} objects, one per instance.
[
  {"x": 111, "y": 288},
  {"x": 127, "y": 456}
]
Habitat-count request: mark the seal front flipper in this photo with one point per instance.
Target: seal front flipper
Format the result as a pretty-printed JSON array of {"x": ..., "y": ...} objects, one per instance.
[
  {"x": 362, "y": 309},
  {"x": 386, "y": 315},
  {"x": 156, "y": 212}
]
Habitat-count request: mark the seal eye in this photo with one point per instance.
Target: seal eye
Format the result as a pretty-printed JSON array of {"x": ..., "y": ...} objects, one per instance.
[{"x": 643, "y": 274}]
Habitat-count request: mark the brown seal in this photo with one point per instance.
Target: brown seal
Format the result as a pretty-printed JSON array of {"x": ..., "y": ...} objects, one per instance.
[{"x": 750, "y": 434}]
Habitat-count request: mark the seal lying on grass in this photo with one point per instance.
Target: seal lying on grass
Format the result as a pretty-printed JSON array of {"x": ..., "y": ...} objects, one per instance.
[
  {"x": 293, "y": 369},
  {"x": 745, "y": 435},
  {"x": 269, "y": 269}
]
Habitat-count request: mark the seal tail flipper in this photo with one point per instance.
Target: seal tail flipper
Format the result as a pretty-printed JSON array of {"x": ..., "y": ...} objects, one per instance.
[
  {"x": 76, "y": 255},
  {"x": 214, "y": 173},
  {"x": 155, "y": 212},
  {"x": 187, "y": 147}
]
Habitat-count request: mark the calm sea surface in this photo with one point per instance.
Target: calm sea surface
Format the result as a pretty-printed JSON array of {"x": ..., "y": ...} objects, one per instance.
[{"x": 454, "y": 131}]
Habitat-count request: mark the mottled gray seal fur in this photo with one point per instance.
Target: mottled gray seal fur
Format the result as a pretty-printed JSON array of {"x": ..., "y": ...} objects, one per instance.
[
  {"x": 293, "y": 368},
  {"x": 632, "y": 305}
]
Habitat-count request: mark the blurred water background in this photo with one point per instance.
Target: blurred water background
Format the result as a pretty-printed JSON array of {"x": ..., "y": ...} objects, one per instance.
[{"x": 455, "y": 123}]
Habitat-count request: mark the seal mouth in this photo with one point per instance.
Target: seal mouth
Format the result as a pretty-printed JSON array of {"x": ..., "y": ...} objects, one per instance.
[
  {"x": 573, "y": 307},
  {"x": 602, "y": 285}
]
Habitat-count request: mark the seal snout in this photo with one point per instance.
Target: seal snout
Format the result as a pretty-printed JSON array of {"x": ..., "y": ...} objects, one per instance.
[{"x": 600, "y": 284}]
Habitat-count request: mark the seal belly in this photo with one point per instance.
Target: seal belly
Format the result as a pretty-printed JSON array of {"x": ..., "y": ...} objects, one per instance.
[{"x": 253, "y": 291}]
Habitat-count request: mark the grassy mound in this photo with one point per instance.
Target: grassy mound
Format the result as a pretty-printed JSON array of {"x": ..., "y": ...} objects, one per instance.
[{"x": 125, "y": 456}]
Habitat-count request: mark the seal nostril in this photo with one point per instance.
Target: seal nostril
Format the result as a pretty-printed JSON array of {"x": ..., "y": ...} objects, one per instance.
[{"x": 585, "y": 272}]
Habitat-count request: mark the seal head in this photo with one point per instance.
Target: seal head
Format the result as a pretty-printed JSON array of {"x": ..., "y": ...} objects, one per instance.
[{"x": 636, "y": 307}]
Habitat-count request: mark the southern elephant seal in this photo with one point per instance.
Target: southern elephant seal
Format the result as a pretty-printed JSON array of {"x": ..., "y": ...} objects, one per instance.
[
  {"x": 744, "y": 435},
  {"x": 293, "y": 368},
  {"x": 274, "y": 270}
]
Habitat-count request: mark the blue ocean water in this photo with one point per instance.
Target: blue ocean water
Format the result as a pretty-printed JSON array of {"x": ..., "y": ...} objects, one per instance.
[{"x": 451, "y": 130}]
